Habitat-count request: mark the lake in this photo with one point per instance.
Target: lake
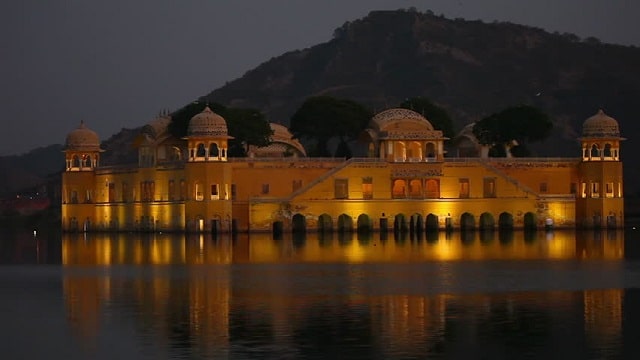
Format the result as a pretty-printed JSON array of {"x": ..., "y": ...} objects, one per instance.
[{"x": 511, "y": 295}]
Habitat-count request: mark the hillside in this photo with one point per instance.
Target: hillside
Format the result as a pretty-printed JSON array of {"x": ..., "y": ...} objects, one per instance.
[{"x": 470, "y": 68}]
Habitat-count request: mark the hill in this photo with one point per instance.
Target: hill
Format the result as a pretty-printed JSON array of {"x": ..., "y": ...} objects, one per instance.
[{"x": 471, "y": 68}]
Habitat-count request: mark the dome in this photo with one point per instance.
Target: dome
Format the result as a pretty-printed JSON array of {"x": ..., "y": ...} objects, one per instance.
[
  {"x": 282, "y": 142},
  {"x": 207, "y": 123},
  {"x": 82, "y": 139},
  {"x": 600, "y": 125},
  {"x": 383, "y": 119}
]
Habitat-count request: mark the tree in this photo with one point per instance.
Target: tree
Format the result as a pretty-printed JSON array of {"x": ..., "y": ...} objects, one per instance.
[
  {"x": 513, "y": 128},
  {"x": 322, "y": 118},
  {"x": 247, "y": 126},
  {"x": 437, "y": 116}
]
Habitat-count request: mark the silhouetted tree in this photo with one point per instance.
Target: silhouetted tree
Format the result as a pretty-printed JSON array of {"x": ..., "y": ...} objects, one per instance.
[
  {"x": 437, "y": 116},
  {"x": 513, "y": 128},
  {"x": 322, "y": 118}
]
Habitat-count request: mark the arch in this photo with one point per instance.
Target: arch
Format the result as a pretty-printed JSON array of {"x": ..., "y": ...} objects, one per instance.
[
  {"x": 414, "y": 151},
  {"x": 364, "y": 223},
  {"x": 298, "y": 223},
  {"x": 400, "y": 223},
  {"x": 399, "y": 189},
  {"x": 467, "y": 221},
  {"x": 200, "y": 150},
  {"x": 415, "y": 223},
  {"x": 415, "y": 188},
  {"x": 214, "y": 152},
  {"x": 325, "y": 224},
  {"x": 276, "y": 229},
  {"x": 431, "y": 222},
  {"x": 505, "y": 221},
  {"x": 607, "y": 153},
  {"x": 432, "y": 188},
  {"x": 430, "y": 150},
  {"x": 86, "y": 161},
  {"x": 530, "y": 221},
  {"x": 595, "y": 151},
  {"x": 486, "y": 221},
  {"x": 399, "y": 151},
  {"x": 345, "y": 223},
  {"x": 75, "y": 162}
]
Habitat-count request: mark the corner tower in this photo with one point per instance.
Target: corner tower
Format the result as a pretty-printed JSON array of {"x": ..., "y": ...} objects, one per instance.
[
  {"x": 600, "y": 199},
  {"x": 82, "y": 157},
  {"x": 208, "y": 206}
]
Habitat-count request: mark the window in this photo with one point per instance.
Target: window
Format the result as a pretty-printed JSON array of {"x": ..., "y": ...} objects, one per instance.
[
  {"x": 573, "y": 188},
  {"x": 147, "y": 191},
  {"x": 432, "y": 188},
  {"x": 367, "y": 187},
  {"x": 265, "y": 189},
  {"x": 398, "y": 191},
  {"x": 464, "y": 188},
  {"x": 198, "y": 191},
  {"x": 233, "y": 191},
  {"x": 126, "y": 192},
  {"x": 415, "y": 188},
  {"x": 183, "y": 189},
  {"x": 341, "y": 188},
  {"x": 583, "y": 190},
  {"x": 112, "y": 192},
  {"x": 543, "y": 187},
  {"x": 609, "y": 190},
  {"x": 489, "y": 187},
  {"x": 595, "y": 190},
  {"x": 172, "y": 190},
  {"x": 74, "y": 197},
  {"x": 214, "y": 192}
]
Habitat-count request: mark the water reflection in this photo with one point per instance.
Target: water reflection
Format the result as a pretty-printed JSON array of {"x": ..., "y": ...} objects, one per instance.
[
  {"x": 501, "y": 294},
  {"x": 158, "y": 249}
]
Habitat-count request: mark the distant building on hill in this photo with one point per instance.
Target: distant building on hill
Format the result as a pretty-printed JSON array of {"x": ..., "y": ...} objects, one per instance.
[{"x": 405, "y": 182}]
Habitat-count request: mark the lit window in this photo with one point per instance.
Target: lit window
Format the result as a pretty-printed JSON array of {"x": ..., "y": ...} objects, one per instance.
[
  {"x": 341, "y": 188},
  {"x": 214, "y": 192},
  {"x": 464, "y": 188},
  {"x": 609, "y": 190},
  {"x": 595, "y": 190},
  {"x": 367, "y": 187}
]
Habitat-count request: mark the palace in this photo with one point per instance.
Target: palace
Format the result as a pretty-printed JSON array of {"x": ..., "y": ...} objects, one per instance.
[{"x": 405, "y": 183}]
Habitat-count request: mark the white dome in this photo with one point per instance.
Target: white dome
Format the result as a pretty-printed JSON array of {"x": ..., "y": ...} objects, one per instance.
[{"x": 207, "y": 123}]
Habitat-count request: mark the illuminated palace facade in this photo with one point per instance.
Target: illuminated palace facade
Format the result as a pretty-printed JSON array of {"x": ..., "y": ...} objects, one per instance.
[{"x": 405, "y": 182}]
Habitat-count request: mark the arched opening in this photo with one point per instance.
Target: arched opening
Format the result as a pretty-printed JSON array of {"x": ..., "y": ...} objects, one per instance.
[
  {"x": 595, "y": 153},
  {"x": 530, "y": 221},
  {"x": 200, "y": 150},
  {"x": 505, "y": 221},
  {"x": 414, "y": 153},
  {"x": 415, "y": 188},
  {"x": 432, "y": 189},
  {"x": 430, "y": 151},
  {"x": 364, "y": 223},
  {"x": 467, "y": 221},
  {"x": 399, "y": 189},
  {"x": 345, "y": 223},
  {"x": 400, "y": 223},
  {"x": 213, "y": 151},
  {"x": 415, "y": 224},
  {"x": 607, "y": 151},
  {"x": 76, "y": 161},
  {"x": 371, "y": 150},
  {"x": 486, "y": 221},
  {"x": 87, "y": 161},
  {"x": 325, "y": 224},
  {"x": 431, "y": 222},
  {"x": 399, "y": 151},
  {"x": 298, "y": 223}
]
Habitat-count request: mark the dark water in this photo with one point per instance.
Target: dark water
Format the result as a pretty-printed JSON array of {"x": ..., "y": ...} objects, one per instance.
[{"x": 557, "y": 295}]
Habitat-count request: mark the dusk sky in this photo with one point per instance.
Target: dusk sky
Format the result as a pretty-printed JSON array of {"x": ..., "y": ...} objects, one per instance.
[{"x": 118, "y": 63}]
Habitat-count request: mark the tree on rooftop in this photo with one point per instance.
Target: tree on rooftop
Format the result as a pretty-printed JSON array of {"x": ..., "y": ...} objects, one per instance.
[
  {"x": 321, "y": 118},
  {"x": 513, "y": 128}
]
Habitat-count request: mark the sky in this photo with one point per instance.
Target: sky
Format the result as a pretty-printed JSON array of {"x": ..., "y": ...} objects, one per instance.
[{"x": 117, "y": 64}]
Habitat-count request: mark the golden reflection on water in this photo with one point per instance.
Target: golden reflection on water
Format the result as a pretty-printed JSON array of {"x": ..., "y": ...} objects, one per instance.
[
  {"x": 162, "y": 249},
  {"x": 209, "y": 304}
]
